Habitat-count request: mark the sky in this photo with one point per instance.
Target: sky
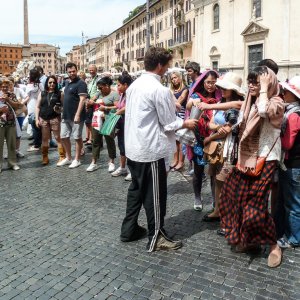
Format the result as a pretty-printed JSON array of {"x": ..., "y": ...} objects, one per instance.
[{"x": 61, "y": 22}]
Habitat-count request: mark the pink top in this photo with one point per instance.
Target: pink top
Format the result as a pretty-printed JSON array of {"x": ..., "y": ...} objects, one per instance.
[
  {"x": 122, "y": 101},
  {"x": 292, "y": 129}
]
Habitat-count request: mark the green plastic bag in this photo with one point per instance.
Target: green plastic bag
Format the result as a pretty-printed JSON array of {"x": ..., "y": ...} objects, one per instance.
[{"x": 109, "y": 124}]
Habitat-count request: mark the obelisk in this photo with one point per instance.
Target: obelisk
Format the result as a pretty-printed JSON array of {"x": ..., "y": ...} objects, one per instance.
[{"x": 26, "y": 46}]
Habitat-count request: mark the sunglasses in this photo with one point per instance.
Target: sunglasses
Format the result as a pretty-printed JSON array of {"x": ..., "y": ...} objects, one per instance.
[{"x": 51, "y": 82}]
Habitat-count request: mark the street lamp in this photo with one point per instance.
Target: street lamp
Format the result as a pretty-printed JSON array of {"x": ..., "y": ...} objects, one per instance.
[
  {"x": 148, "y": 25},
  {"x": 83, "y": 49}
]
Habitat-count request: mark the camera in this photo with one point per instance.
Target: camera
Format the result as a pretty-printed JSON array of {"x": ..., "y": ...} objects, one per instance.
[{"x": 231, "y": 116}]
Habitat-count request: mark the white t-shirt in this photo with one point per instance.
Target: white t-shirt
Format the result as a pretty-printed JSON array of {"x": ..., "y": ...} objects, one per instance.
[{"x": 33, "y": 92}]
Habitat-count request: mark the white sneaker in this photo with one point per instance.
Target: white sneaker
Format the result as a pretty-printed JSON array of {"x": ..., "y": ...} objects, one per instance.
[
  {"x": 15, "y": 167},
  {"x": 198, "y": 204},
  {"x": 119, "y": 172},
  {"x": 64, "y": 162},
  {"x": 128, "y": 177},
  {"x": 111, "y": 167},
  {"x": 92, "y": 167},
  {"x": 75, "y": 163},
  {"x": 19, "y": 154}
]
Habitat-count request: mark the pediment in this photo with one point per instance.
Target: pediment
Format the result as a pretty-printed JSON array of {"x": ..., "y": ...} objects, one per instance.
[{"x": 255, "y": 28}]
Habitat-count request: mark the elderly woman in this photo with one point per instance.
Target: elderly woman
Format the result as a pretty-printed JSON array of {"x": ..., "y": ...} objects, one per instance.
[
  {"x": 8, "y": 103},
  {"x": 245, "y": 194},
  {"x": 20, "y": 112}
]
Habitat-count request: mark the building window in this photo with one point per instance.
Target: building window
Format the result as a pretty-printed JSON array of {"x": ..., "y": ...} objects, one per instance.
[
  {"x": 255, "y": 55},
  {"x": 216, "y": 13},
  {"x": 215, "y": 65},
  {"x": 257, "y": 6}
]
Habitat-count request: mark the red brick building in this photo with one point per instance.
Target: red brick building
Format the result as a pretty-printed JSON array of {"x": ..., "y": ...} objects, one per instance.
[{"x": 10, "y": 56}]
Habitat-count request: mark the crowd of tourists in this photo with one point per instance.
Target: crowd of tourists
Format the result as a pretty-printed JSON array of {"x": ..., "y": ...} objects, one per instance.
[{"x": 246, "y": 141}]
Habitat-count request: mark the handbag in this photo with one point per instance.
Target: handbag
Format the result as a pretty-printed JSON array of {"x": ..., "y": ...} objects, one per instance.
[
  {"x": 109, "y": 124},
  {"x": 260, "y": 162},
  {"x": 97, "y": 119},
  {"x": 213, "y": 152},
  {"x": 31, "y": 119}
]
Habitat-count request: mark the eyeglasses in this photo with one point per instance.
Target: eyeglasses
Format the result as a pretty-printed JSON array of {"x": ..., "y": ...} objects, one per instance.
[
  {"x": 211, "y": 83},
  {"x": 254, "y": 83},
  {"x": 51, "y": 82}
]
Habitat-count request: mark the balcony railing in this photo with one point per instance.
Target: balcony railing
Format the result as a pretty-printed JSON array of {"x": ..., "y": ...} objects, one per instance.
[
  {"x": 179, "y": 18},
  {"x": 140, "y": 58},
  {"x": 180, "y": 40}
]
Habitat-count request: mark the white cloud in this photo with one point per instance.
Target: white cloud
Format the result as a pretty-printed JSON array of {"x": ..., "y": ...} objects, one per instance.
[{"x": 54, "y": 21}]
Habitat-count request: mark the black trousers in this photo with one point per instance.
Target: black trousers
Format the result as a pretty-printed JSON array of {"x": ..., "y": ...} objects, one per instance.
[{"x": 148, "y": 188}]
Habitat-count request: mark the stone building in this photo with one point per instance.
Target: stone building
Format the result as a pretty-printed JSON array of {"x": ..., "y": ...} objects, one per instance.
[
  {"x": 10, "y": 56},
  {"x": 236, "y": 34},
  {"x": 171, "y": 26},
  {"x": 45, "y": 56}
]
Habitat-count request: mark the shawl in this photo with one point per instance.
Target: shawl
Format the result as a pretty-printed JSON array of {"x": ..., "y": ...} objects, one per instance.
[{"x": 250, "y": 127}]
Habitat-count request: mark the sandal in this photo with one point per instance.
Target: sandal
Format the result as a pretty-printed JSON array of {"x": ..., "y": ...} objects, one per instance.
[
  {"x": 82, "y": 153},
  {"x": 178, "y": 168},
  {"x": 206, "y": 218}
]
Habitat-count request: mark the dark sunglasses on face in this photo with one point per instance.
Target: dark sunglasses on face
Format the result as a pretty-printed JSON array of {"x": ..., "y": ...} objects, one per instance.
[{"x": 51, "y": 82}]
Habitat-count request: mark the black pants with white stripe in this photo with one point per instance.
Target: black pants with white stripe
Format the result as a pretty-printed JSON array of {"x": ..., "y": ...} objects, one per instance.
[{"x": 148, "y": 188}]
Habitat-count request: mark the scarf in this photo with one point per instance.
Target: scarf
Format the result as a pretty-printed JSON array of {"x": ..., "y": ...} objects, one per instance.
[
  {"x": 289, "y": 109},
  {"x": 250, "y": 127}
]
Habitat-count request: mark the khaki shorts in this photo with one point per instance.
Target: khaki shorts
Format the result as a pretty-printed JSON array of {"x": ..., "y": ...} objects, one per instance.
[
  {"x": 53, "y": 124},
  {"x": 69, "y": 127},
  {"x": 220, "y": 171}
]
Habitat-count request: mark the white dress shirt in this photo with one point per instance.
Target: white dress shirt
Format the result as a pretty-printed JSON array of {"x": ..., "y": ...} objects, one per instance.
[{"x": 150, "y": 120}]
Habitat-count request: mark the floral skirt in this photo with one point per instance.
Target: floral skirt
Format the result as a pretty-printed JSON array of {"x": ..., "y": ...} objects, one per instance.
[{"x": 244, "y": 208}]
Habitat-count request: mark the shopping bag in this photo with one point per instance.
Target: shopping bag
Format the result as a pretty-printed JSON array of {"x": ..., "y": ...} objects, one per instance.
[
  {"x": 97, "y": 119},
  {"x": 109, "y": 124}
]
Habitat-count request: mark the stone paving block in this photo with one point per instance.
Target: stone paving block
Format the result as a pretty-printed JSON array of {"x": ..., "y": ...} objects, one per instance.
[{"x": 63, "y": 243}]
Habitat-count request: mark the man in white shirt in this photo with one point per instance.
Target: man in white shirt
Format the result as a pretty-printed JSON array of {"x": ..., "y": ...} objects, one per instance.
[{"x": 150, "y": 124}]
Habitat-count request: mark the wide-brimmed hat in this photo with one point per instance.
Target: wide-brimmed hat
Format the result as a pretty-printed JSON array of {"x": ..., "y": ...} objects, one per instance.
[
  {"x": 293, "y": 86},
  {"x": 231, "y": 81}
]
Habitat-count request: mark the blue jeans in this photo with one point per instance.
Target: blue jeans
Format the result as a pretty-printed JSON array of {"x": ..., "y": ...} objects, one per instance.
[{"x": 289, "y": 196}]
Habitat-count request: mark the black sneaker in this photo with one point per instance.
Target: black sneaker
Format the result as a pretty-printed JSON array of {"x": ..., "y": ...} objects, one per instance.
[{"x": 139, "y": 233}]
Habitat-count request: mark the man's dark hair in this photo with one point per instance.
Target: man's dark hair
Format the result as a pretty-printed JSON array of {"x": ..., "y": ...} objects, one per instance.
[
  {"x": 155, "y": 56},
  {"x": 270, "y": 63},
  {"x": 194, "y": 66},
  {"x": 125, "y": 79},
  {"x": 40, "y": 69},
  {"x": 70, "y": 65}
]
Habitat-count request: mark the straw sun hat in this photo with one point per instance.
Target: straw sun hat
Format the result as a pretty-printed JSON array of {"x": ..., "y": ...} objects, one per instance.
[
  {"x": 293, "y": 86},
  {"x": 231, "y": 81}
]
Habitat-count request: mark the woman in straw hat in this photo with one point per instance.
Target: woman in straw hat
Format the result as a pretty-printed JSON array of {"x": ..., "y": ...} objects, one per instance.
[
  {"x": 222, "y": 125},
  {"x": 288, "y": 227}
]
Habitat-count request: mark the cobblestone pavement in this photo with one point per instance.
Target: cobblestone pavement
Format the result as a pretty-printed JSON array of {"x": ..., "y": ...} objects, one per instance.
[{"x": 60, "y": 240}]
